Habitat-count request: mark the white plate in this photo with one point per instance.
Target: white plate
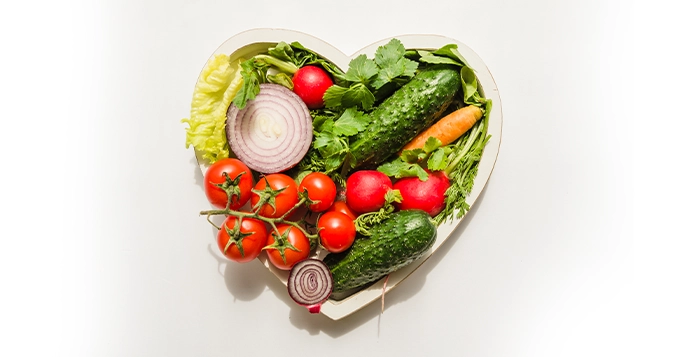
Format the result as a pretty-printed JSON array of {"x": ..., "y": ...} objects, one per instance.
[{"x": 256, "y": 41}]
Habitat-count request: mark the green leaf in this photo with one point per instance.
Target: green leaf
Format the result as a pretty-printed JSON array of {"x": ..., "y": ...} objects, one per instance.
[
  {"x": 431, "y": 144},
  {"x": 390, "y": 53},
  {"x": 399, "y": 169},
  {"x": 282, "y": 51},
  {"x": 451, "y": 51},
  {"x": 333, "y": 162},
  {"x": 390, "y": 59},
  {"x": 333, "y": 96},
  {"x": 358, "y": 94},
  {"x": 392, "y": 168},
  {"x": 282, "y": 79},
  {"x": 439, "y": 59},
  {"x": 393, "y": 196},
  {"x": 437, "y": 160},
  {"x": 412, "y": 156},
  {"x": 470, "y": 87},
  {"x": 324, "y": 139},
  {"x": 350, "y": 122},
  {"x": 361, "y": 69}
]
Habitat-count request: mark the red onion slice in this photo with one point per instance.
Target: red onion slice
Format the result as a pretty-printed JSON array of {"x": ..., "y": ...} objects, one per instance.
[
  {"x": 310, "y": 284},
  {"x": 273, "y": 132}
]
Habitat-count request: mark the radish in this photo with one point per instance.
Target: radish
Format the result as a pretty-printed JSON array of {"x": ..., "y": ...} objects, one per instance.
[
  {"x": 310, "y": 83},
  {"x": 366, "y": 190},
  {"x": 426, "y": 195}
]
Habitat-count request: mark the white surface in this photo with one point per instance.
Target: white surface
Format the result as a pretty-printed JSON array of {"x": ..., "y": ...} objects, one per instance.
[{"x": 570, "y": 251}]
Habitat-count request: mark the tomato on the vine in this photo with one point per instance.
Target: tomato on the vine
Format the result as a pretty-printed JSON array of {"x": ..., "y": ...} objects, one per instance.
[
  {"x": 281, "y": 253},
  {"x": 279, "y": 194},
  {"x": 231, "y": 175},
  {"x": 251, "y": 237},
  {"x": 320, "y": 188},
  {"x": 336, "y": 231},
  {"x": 342, "y": 207}
]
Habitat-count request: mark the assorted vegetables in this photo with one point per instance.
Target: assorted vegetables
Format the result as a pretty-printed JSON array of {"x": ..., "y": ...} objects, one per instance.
[{"x": 338, "y": 177}]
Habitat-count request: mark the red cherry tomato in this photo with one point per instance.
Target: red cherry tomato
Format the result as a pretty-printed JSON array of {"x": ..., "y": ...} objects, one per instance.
[
  {"x": 310, "y": 83},
  {"x": 342, "y": 207},
  {"x": 336, "y": 231},
  {"x": 296, "y": 238},
  {"x": 252, "y": 238},
  {"x": 319, "y": 188},
  {"x": 284, "y": 200},
  {"x": 366, "y": 190},
  {"x": 216, "y": 175}
]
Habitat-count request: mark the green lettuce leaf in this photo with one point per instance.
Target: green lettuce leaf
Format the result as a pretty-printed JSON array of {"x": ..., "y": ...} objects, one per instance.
[{"x": 216, "y": 87}]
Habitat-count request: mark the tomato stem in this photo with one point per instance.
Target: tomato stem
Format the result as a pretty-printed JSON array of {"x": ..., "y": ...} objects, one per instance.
[{"x": 271, "y": 221}]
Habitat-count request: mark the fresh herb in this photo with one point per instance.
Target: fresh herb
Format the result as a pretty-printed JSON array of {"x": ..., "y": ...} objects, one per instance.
[
  {"x": 286, "y": 59},
  {"x": 362, "y": 85},
  {"x": 414, "y": 162}
]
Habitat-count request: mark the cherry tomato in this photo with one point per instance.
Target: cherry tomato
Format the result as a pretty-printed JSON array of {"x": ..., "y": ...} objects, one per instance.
[
  {"x": 275, "y": 206},
  {"x": 294, "y": 237},
  {"x": 342, "y": 207},
  {"x": 216, "y": 175},
  {"x": 366, "y": 190},
  {"x": 336, "y": 231},
  {"x": 320, "y": 188},
  {"x": 252, "y": 238},
  {"x": 310, "y": 83}
]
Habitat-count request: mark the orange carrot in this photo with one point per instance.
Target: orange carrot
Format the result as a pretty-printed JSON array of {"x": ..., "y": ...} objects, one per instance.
[{"x": 448, "y": 128}]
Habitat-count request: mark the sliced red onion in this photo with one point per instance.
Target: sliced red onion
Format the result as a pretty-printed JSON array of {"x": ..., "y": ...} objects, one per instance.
[
  {"x": 273, "y": 132},
  {"x": 310, "y": 284}
]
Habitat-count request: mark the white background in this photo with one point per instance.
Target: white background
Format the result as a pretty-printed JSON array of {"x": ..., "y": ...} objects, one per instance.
[{"x": 569, "y": 251}]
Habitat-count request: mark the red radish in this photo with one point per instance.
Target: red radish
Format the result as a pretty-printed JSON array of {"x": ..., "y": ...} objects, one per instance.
[
  {"x": 366, "y": 190},
  {"x": 310, "y": 84},
  {"x": 426, "y": 195}
]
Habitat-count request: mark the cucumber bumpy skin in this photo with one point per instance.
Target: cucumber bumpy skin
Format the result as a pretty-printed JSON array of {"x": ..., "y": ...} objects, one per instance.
[
  {"x": 394, "y": 243},
  {"x": 403, "y": 115}
]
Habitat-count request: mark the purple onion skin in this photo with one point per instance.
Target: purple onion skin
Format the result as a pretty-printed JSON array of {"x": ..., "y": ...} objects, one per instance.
[{"x": 313, "y": 307}]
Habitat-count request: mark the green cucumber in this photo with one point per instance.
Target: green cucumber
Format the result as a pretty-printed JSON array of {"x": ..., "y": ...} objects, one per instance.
[
  {"x": 403, "y": 115},
  {"x": 394, "y": 243}
]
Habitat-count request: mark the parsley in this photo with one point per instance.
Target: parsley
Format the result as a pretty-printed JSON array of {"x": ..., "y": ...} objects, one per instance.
[
  {"x": 361, "y": 85},
  {"x": 414, "y": 162}
]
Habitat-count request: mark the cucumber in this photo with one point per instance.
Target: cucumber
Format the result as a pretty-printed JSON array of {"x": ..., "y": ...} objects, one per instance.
[
  {"x": 403, "y": 115},
  {"x": 394, "y": 243}
]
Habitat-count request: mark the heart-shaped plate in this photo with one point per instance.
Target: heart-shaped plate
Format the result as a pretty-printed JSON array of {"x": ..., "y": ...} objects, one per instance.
[{"x": 256, "y": 41}]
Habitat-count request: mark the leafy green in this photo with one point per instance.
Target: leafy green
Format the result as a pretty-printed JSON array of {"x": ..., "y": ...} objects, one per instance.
[
  {"x": 217, "y": 85},
  {"x": 413, "y": 163},
  {"x": 286, "y": 59},
  {"x": 366, "y": 79}
]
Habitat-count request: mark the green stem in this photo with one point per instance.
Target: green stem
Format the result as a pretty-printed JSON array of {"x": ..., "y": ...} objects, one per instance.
[
  {"x": 256, "y": 215},
  {"x": 283, "y": 66}
]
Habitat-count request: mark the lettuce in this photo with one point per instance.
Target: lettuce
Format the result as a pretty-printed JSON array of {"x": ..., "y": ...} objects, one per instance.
[{"x": 217, "y": 86}]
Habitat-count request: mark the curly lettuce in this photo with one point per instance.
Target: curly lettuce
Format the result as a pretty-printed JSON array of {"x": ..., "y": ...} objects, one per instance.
[{"x": 217, "y": 86}]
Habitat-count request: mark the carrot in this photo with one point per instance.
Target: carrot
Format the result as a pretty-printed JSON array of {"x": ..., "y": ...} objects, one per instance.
[{"x": 448, "y": 128}]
